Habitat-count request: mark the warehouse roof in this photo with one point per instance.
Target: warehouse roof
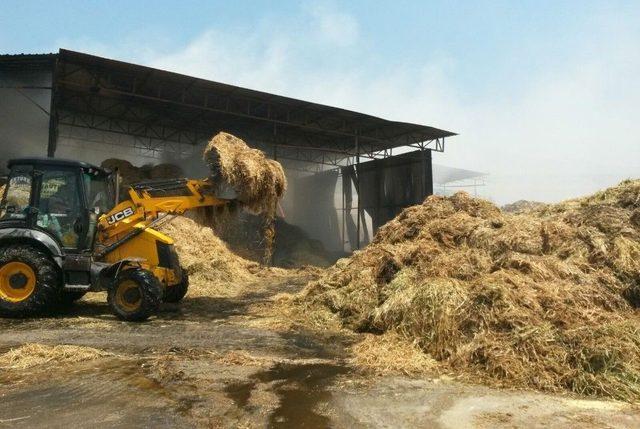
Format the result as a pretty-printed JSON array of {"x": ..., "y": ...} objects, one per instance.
[
  {"x": 174, "y": 107},
  {"x": 443, "y": 174}
]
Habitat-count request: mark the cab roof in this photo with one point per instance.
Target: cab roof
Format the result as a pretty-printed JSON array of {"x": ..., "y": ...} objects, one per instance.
[{"x": 57, "y": 162}]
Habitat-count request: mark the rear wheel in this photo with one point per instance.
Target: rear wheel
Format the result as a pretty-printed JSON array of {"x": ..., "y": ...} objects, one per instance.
[
  {"x": 135, "y": 295},
  {"x": 30, "y": 281},
  {"x": 176, "y": 292}
]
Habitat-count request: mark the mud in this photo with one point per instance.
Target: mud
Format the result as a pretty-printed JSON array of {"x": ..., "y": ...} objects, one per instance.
[
  {"x": 96, "y": 395},
  {"x": 209, "y": 363}
]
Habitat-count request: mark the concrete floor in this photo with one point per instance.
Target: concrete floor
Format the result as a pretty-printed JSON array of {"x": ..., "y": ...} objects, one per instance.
[{"x": 204, "y": 363}]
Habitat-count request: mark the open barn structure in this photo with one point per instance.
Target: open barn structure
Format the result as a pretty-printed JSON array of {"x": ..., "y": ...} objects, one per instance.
[{"x": 349, "y": 172}]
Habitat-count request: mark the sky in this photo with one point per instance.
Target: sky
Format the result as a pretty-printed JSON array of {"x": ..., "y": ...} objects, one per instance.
[{"x": 544, "y": 95}]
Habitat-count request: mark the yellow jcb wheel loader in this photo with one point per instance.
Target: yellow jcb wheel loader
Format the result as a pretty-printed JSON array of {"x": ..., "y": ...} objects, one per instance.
[{"x": 63, "y": 234}]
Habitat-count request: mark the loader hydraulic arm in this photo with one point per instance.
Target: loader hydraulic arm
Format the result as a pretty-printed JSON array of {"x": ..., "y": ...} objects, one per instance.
[{"x": 148, "y": 200}]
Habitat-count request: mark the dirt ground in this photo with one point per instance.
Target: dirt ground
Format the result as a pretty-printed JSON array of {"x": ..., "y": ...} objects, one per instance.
[{"x": 222, "y": 362}]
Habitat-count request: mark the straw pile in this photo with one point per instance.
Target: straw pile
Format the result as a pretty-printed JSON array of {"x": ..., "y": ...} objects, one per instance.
[
  {"x": 521, "y": 206},
  {"x": 292, "y": 247},
  {"x": 544, "y": 300},
  {"x": 212, "y": 267},
  {"x": 32, "y": 355},
  {"x": 260, "y": 182}
]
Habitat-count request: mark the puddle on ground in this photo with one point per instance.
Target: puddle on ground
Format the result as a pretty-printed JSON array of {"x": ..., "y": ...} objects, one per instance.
[
  {"x": 239, "y": 392},
  {"x": 300, "y": 388}
]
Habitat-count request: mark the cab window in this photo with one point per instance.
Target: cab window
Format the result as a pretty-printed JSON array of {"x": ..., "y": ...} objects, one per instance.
[
  {"x": 98, "y": 191},
  {"x": 59, "y": 207}
]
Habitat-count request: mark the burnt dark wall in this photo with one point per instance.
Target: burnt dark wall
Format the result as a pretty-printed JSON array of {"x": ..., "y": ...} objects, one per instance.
[{"x": 386, "y": 187}]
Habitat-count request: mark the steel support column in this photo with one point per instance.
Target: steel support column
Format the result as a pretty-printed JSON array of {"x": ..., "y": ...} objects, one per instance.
[
  {"x": 427, "y": 173},
  {"x": 357, "y": 177},
  {"x": 53, "y": 113}
]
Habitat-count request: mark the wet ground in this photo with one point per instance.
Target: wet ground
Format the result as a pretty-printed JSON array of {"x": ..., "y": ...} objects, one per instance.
[{"x": 210, "y": 362}]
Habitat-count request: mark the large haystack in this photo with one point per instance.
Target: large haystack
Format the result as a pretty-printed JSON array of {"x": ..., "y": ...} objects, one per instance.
[
  {"x": 545, "y": 299},
  {"x": 260, "y": 182}
]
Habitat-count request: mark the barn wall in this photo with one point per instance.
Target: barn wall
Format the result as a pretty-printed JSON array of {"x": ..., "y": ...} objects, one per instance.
[
  {"x": 94, "y": 146},
  {"x": 24, "y": 128},
  {"x": 311, "y": 204}
]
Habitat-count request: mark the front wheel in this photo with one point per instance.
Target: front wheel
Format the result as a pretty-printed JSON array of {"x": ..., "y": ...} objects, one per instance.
[
  {"x": 135, "y": 295},
  {"x": 176, "y": 292},
  {"x": 30, "y": 281}
]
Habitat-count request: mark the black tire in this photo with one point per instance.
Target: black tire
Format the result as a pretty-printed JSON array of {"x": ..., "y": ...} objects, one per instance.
[
  {"x": 46, "y": 284},
  {"x": 70, "y": 296},
  {"x": 135, "y": 295},
  {"x": 175, "y": 293}
]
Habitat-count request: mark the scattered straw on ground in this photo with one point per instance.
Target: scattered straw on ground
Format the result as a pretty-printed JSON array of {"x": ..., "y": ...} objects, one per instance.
[
  {"x": 32, "y": 355},
  {"x": 544, "y": 300},
  {"x": 391, "y": 353},
  {"x": 241, "y": 358},
  {"x": 260, "y": 182}
]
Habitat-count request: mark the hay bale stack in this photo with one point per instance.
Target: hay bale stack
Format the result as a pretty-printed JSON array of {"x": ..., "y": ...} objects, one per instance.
[
  {"x": 129, "y": 174},
  {"x": 259, "y": 182},
  {"x": 165, "y": 171},
  {"x": 546, "y": 299}
]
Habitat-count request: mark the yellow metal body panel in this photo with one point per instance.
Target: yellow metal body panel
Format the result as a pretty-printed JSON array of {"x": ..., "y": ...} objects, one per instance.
[
  {"x": 143, "y": 246},
  {"x": 139, "y": 212}
]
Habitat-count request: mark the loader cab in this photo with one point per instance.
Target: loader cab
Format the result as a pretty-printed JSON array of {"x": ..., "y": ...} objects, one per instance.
[{"x": 61, "y": 198}]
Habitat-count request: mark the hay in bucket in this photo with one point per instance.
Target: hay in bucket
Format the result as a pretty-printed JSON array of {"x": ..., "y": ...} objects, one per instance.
[{"x": 259, "y": 182}]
